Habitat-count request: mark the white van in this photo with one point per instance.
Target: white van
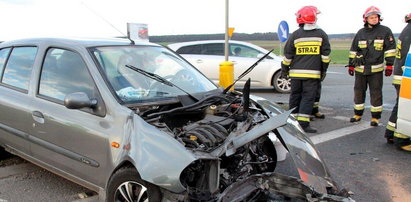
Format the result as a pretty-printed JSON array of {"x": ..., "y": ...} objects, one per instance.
[{"x": 404, "y": 103}]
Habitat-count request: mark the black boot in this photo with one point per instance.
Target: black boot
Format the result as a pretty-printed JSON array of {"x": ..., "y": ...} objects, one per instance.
[
  {"x": 309, "y": 129},
  {"x": 318, "y": 115}
]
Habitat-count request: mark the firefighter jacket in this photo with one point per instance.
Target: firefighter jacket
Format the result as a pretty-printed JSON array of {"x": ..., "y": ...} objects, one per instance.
[
  {"x": 403, "y": 46},
  {"x": 369, "y": 48},
  {"x": 306, "y": 54}
]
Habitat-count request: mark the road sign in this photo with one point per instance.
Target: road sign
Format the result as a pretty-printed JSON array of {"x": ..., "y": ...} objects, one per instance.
[{"x": 283, "y": 31}]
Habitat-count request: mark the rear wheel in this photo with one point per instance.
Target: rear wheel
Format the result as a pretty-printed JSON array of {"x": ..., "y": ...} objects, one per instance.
[
  {"x": 126, "y": 185},
  {"x": 281, "y": 84}
]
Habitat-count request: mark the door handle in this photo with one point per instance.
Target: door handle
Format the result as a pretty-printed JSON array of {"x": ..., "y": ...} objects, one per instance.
[
  {"x": 199, "y": 61},
  {"x": 38, "y": 114},
  {"x": 38, "y": 117}
]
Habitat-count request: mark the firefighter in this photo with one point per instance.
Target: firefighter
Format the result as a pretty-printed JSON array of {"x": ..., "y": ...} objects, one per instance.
[
  {"x": 370, "y": 46},
  {"x": 403, "y": 46},
  {"x": 306, "y": 61}
]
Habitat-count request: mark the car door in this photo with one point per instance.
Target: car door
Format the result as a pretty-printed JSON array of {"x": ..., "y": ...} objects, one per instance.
[
  {"x": 243, "y": 58},
  {"x": 205, "y": 57},
  {"x": 16, "y": 66},
  {"x": 73, "y": 141}
]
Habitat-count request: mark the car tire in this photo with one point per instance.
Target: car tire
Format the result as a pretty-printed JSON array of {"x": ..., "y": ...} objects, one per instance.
[
  {"x": 126, "y": 182},
  {"x": 280, "y": 84}
]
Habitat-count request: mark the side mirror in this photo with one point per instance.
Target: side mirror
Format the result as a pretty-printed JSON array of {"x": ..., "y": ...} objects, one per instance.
[{"x": 79, "y": 100}]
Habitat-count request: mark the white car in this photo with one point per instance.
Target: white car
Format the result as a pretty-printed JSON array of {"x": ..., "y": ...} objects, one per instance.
[{"x": 207, "y": 56}]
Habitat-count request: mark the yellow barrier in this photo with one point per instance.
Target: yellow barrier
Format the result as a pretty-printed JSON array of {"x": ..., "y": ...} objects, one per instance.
[{"x": 226, "y": 74}]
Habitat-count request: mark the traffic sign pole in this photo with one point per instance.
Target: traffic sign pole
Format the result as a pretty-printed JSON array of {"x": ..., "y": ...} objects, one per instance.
[{"x": 282, "y": 33}]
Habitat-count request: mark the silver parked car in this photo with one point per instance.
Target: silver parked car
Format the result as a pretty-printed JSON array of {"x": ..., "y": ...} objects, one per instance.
[
  {"x": 207, "y": 55},
  {"x": 135, "y": 122}
]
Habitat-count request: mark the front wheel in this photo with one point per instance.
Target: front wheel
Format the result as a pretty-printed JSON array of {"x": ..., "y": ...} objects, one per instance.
[
  {"x": 281, "y": 84},
  {"x": 126, "y": 185}
]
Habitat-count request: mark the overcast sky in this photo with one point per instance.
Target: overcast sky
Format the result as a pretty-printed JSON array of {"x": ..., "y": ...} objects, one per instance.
[{"x": 96, "y": 18}]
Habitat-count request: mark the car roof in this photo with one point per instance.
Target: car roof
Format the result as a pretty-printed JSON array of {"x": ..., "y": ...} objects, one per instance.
[
  {"x": 176, "y": 46},
  {"x": 82, "y": 42}
]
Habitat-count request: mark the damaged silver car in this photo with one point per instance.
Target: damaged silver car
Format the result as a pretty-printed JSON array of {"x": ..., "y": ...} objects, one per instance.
[{"x": 136, "y": 122}]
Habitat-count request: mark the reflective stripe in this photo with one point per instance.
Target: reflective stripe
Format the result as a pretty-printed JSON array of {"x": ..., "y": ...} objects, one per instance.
[
  {"x": 352, "y": 54},
  {"x": 376, "y": 109},
  {"x": 287, "y": 61},
  {"x": 380, "y": 41},
  {"x": 316, "y": 104},
  {"x": 305, "y": 73},
  {"x": 390, "y": 128},
  {"x": 303, "y": 117},
  {"x": 390, "y": 53},
  {"x": 392, "y": 124},
  {"x": 399, "y": 135},
  {"x": 398, "y": 55},
  {"x": 311, "y": 76},
  {"x": 374, "y": 68},
  {"x": 309, "y": 39},
  {"x": 359, "y": 106},
  {"x": 397, "y": 80},
  {"x": 325, "y": 58},
  {"x": 362, "y": 44},
  {"x": 307, "y": 43}
]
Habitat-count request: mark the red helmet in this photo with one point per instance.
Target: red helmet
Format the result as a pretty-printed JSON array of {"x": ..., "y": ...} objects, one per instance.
[
  {"x": 407, "y": 17},
  {"x": 307, "y": 14},
  {"x": 372, "y": 10}
]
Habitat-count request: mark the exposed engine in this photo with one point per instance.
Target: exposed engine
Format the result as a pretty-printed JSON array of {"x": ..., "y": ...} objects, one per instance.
[{"x": 203, "y": 126}]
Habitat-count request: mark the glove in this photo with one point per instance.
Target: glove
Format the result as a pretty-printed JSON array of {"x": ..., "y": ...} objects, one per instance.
[
  {"x": 388, "y": 71},
  {"x": 351, "y": 70},
  {"x": 358, "y": 60},
  {"x": 284, "y": 74},
  {"x": 323, "y": 74}
]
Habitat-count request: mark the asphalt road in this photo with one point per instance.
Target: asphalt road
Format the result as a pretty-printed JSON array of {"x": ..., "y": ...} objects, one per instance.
[{"x": 360, "y": 160}]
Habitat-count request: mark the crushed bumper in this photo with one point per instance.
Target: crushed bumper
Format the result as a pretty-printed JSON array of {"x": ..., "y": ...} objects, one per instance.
[{"x": 277, "y": 187}]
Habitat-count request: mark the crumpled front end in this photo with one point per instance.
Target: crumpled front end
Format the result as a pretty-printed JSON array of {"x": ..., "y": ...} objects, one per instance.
[
  {"x": 275, "y": 187},
  {"x": 222, "y": 144}
]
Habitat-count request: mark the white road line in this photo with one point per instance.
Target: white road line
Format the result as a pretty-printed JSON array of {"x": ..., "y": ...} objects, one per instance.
[{"x": 324, "y": 137}]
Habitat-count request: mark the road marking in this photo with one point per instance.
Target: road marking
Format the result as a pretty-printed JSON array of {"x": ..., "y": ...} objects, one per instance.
[
  {"x": 342, "y": 118},
  {"x": 324, "y": 137}
]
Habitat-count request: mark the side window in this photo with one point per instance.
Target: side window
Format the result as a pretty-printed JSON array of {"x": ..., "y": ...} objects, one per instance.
[
  {"x": 3, "y": 56},
  {"x": 244, "y": 51},
  {"x": 193, "y": 49},
  {"x": 64, "y": 72},
  {"x": 213, "y": 49},
  {"x": 18, "y": 68}
]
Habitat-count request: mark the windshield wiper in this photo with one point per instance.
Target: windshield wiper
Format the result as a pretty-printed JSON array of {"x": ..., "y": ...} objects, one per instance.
[
  {"x": 159, "y": 79},
  {"x": 248, "y": 70}
]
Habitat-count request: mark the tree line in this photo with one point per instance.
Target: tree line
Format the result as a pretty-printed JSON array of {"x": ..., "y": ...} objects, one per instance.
[{"x": 268, "y": 36}]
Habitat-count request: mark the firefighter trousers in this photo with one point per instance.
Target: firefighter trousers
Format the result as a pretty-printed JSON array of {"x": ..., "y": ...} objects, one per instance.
[
  {"x": 302, "y": 97},
  {"x": 392, "y": 123},
  {"x": 317, "y": 100},
  {"x": 374, "y": 81}
]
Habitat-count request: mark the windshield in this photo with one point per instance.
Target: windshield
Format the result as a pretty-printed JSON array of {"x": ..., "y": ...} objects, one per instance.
[{"x": 131, "y": 86}]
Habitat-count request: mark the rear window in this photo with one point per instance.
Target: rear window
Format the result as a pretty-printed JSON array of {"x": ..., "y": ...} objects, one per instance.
[
  {"x": 213, "y": 49},
  {"x": 193, "y": 49},
  {"x": 18, "y": 68}
]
